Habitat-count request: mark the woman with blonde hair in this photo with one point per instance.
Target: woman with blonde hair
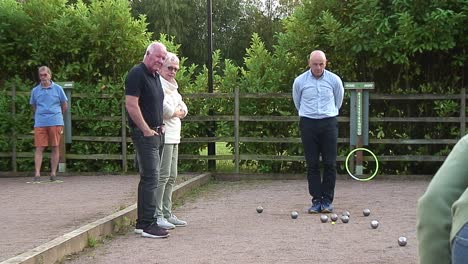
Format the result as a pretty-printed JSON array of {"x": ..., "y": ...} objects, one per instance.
[{"x": 174, "y": 110}]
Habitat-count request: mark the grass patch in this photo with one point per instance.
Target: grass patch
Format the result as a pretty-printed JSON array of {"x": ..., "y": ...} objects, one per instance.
[
  {"x": 92, "y": 242},
  {"x": 227, "y": 165}
]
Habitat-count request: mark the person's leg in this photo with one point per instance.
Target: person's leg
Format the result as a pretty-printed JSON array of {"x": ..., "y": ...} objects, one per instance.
[
  {"x": 54, "y": 160},
  {"x": 40, "y": 142},
  {"x": 147, "y": 149},
  {"x": 163, "y": 179},
  {"x": 308, "y": 128},
  {"x": 460, "y": 247},
  {"x": 38, "y": 161},
  {"x": 54, "y": 136},
  {"x": 328, "y": 149},
  {"x": 167, "y": 203}
]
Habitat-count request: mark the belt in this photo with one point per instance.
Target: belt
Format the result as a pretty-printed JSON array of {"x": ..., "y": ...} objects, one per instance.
[{"x": 159, "y": 129}]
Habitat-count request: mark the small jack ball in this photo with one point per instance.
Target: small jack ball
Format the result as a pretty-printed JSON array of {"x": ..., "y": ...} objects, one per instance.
[
  {"x": 334, "y": 217},
  {"x": 346, "y": 213},
  {"x": 374, "y": 224},
  {"x": 324, "y": 218},
  {"x": 345, "y": 219},
  {"x": 294, "y": 214},
  {"x": 366, "y": 212},
  {"x": 259, "y": 209},
  {"x": 402, "y": 241}
]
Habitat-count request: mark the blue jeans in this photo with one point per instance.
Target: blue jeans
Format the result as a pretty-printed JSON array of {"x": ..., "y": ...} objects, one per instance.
[
  {"x": 148, "y": 151},
  {"x": 319, "y": 138},
  {"x": 460, "y": 247}
]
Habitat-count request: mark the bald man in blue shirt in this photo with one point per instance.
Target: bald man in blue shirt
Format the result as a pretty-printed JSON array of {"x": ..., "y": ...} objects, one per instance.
[{"x": 318, "y": 95}]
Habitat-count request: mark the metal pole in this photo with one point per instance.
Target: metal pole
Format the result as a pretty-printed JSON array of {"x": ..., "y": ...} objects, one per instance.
[{"x": 211, "y": 125}]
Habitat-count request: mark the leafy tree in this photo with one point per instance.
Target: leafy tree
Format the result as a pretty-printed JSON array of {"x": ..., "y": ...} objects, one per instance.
[
  {"x": 398, "y": 44},
  {"x": 234, "y": 22},
  {"x": 79, "y": 42}
]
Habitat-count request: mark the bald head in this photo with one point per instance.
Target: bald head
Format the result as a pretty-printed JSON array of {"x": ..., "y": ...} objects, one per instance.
[
  {"x": 155, "y": 56},
  {"x": 317, "y": 63}
]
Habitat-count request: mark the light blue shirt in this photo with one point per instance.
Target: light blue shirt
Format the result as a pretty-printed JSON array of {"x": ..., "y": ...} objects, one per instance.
[
  {"x": 48, "y": 103},
  {"x": 318, "y": 98}
]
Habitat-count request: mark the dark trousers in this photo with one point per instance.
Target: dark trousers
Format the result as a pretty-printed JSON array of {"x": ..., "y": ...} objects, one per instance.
[
  {"x": 148, "y": 151},
  {"x": 319, "y": 138}
]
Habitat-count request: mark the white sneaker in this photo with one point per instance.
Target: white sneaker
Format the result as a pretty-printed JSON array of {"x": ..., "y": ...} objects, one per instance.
[
  {"x": 163, "y": 223},
  {"x": 175, "y": 221}
]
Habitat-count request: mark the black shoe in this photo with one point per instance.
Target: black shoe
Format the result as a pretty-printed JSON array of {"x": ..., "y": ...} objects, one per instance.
[
  {"x": 326, "y": 206},
  {"x": 154, "y": 231},
  {"x": 316, "y": 207}
]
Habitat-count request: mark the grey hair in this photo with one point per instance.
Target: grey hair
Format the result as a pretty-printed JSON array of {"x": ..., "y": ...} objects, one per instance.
[
  {"x": 151, "y": 47},
  {"x": 44, "y": 68},
  {"x": 171, "y": 58}
]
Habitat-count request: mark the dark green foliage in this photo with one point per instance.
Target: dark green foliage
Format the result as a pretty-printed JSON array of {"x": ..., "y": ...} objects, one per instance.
[{"x": 405, "y": 47}]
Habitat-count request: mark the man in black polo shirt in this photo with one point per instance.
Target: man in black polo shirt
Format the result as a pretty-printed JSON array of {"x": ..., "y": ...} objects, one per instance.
[{"x": 144, "y": 103}]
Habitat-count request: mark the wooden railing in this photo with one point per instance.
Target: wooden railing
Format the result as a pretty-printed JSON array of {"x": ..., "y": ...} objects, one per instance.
[{"x": 236, "y": 139}]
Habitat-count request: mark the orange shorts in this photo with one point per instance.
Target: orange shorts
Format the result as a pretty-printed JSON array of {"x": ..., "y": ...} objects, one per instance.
[{"x": 47, "y": 136}]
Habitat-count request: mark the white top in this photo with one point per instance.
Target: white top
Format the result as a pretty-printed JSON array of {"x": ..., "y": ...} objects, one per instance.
[{"x": 172, "y": 101}]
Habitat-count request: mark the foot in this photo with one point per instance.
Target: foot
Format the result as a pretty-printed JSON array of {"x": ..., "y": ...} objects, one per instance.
[
  {"x": 326, "y": 206},
  {"x": 53, "y": 178},
  {"x": 176, "y": 221},
  {"x": 316, "y": 207},
  {"x": 163, "y": 223},
  {"x": 154, "y": 231},
  {"x": 139, "y": 228},
  {"x": 37, "y": 179}
]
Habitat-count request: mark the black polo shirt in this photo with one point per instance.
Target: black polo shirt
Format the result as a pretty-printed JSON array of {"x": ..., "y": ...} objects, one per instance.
[{"x": 147, "y": 87}]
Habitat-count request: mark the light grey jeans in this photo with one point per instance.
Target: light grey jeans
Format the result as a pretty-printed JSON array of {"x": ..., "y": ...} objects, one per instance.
[{"x": 166, "y": 182}]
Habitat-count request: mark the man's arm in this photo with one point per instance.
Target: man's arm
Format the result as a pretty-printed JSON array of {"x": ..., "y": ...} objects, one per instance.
[
  {"x": 339, "y": 93},
  {"x": 133, "y": 109},
  {"x": 434, "y": 217},
  {"x": 64, "y": 107},
  {"x": 296, "y": 95}
]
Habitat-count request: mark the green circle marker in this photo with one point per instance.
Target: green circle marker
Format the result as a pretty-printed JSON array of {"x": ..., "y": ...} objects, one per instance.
[{"x": 376, "y": 164}]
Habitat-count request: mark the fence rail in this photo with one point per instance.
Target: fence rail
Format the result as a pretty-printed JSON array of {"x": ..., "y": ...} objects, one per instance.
[{"x": 237, "y": 139}]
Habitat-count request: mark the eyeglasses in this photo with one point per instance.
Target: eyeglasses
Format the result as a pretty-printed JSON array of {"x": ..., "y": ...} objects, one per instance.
[
  {"x": 43, "y": 74},
  {"x": 174, "y": 69}
]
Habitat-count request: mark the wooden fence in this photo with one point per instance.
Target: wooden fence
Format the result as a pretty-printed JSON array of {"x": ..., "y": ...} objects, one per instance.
[{"x": 236, "y": 139}]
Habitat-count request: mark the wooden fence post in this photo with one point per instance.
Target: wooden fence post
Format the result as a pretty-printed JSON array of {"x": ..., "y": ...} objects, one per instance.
[
  {"x": 236, "y": 129},
  {"x": 13, "y": 142},
  {"x": 62, "y": 165},
  {"x": 124, "y": 139}
]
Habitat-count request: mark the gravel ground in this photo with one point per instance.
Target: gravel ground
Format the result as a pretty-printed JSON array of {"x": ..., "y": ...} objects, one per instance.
[
  {"x": 224, "y": 227},
  {"x": 32, "y": 214}
]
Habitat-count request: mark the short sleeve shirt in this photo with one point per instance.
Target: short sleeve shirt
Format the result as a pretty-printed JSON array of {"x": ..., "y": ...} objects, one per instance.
[
  {"x": 48, "y": 102},
  {"x": 147, "y": 87}
]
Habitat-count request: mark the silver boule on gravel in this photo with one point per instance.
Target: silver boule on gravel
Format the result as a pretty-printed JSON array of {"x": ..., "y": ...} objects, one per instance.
[
  {"x": 346, "y": 213},
  {"x": 345, "y": 219},
  {"x": 324, "y": 218},
  {"x": 294, "y": 215},
  {"x": 402, "y": 241},
  {"x": 334, "y": 217},
  {"x": 259, "y": 209},
  {"x": 374, "y": 224},
  {"x": 366, "y": 212}
]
